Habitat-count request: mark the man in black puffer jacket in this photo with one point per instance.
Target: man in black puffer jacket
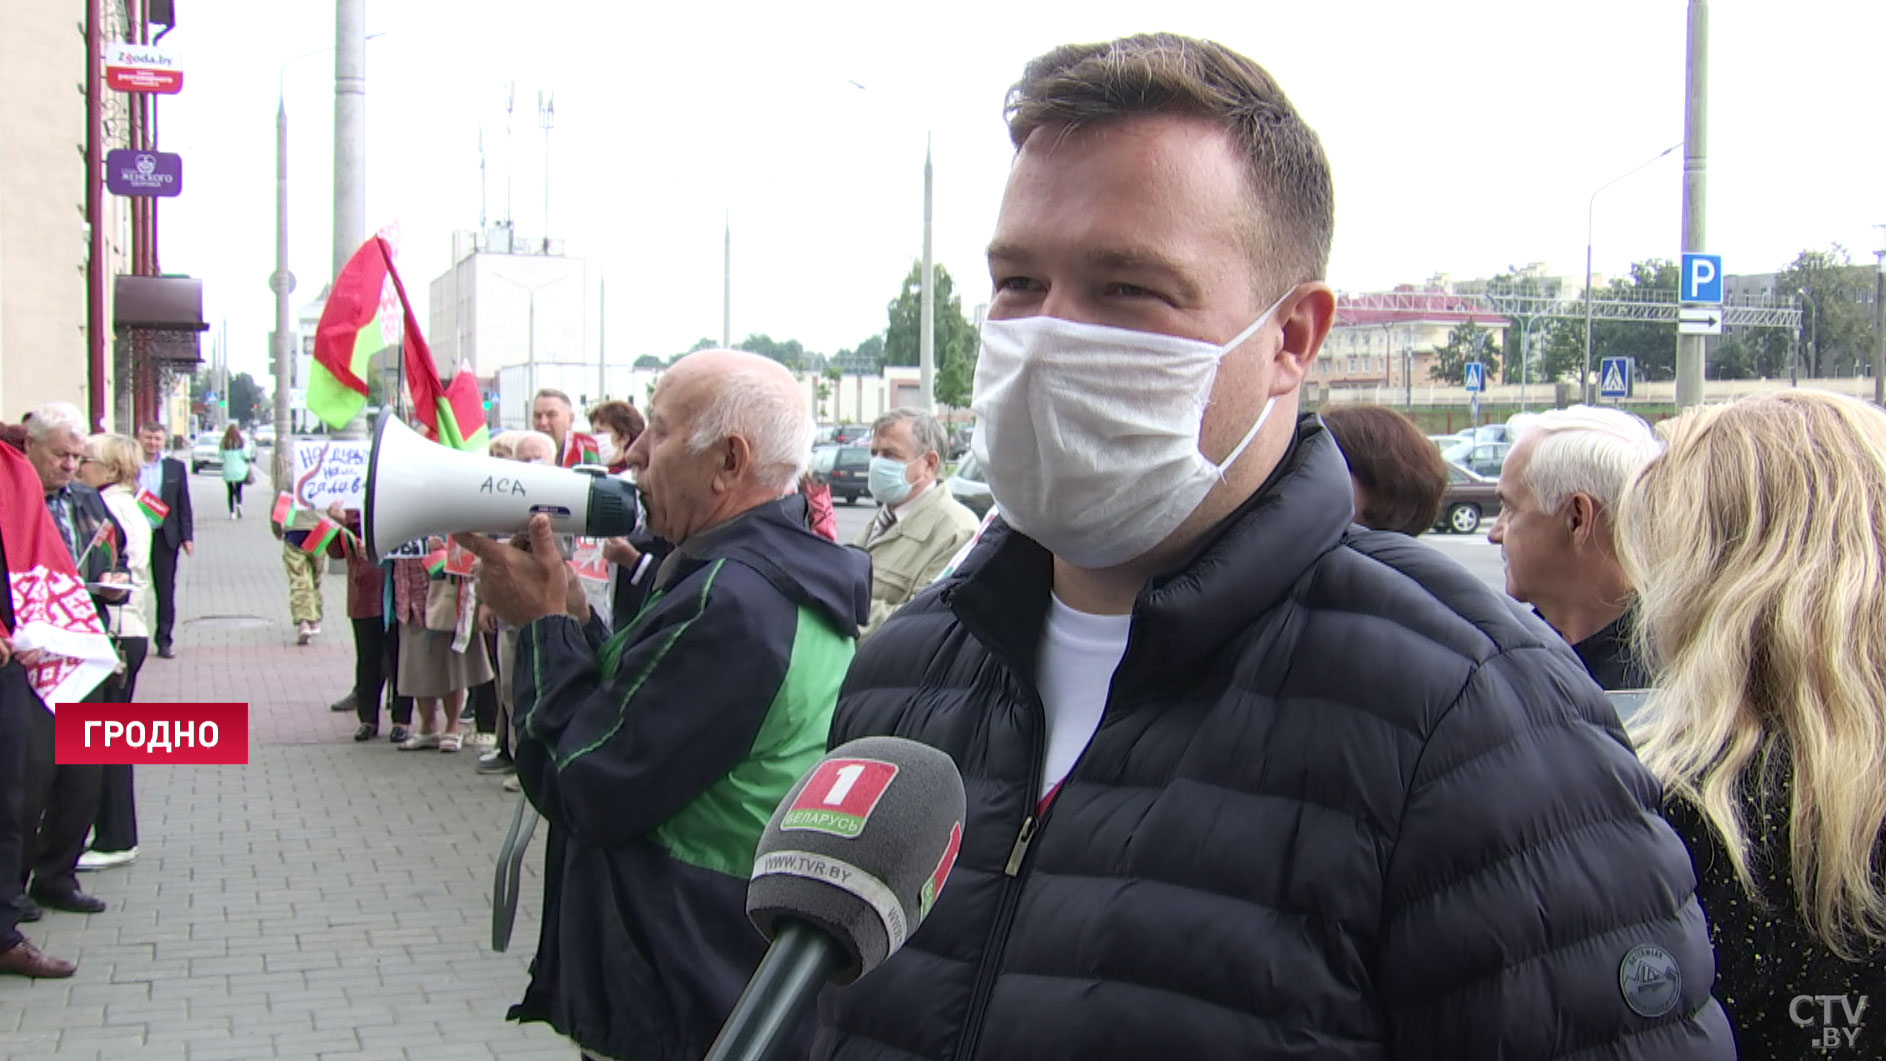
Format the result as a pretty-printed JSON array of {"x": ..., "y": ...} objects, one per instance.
[{"x": 1245, "y": 781}]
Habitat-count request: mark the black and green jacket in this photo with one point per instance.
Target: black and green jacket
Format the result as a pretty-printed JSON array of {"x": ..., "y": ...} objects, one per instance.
[{"x": 657, "y": 756}]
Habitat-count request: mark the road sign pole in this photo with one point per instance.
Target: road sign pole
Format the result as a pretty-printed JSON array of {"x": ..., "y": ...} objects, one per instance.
[{"x": 1689, "y": 348}]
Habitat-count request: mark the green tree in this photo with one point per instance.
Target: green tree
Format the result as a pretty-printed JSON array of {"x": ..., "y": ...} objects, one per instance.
[
  {"x": 1560, "y": 352},
  {"x": 1469, "y": 342},
  {"x": 1837, "y": 317},
  {"x": 1652, "y": 344},
  {"x": 1514, "y": 286},
  {"x": 247, "y": 402},
  {"x": 835, "y": 377},
  {"x": 955, "y": 336},
  {"x": 871, "y": 352},
  {"x": 787, "y": 352},
  {"x": 650, "y": 363}
]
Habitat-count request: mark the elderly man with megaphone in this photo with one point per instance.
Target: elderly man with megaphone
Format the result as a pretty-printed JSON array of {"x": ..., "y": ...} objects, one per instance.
[{"x": 658, "y": 752}]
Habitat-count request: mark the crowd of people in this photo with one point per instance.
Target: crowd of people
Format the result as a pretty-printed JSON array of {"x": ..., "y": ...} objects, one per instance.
[
  {"x": 121, "y": 512},
  {"x": 1249, "y": 771}
]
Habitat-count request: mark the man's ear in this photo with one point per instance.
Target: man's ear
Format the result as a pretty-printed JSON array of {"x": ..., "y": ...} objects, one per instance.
[
  {"x": 1581, "y": 515},
  {"x": 733, "y": 464},
  {"x": 1306, "y": 317}
]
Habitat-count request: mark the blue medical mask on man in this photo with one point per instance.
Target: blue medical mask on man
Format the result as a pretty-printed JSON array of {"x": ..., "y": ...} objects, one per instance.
[{"x": 889, "y": 480}]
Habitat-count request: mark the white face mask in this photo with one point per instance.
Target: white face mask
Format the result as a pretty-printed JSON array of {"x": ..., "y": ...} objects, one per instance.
[{"x": 1088, "y": 435}]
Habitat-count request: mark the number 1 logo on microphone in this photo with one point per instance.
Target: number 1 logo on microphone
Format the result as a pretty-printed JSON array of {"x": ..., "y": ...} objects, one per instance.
[{"x": 839, "y": 796}]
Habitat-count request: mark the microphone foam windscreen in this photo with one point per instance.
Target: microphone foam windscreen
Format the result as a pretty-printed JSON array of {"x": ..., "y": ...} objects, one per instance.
[{"x": 861, "y": 847}]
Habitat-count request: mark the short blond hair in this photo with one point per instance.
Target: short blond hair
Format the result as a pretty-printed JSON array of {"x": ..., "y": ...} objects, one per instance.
[
  {"x": 121, "y": 456},
  {"x": 1757, "y": 543}
]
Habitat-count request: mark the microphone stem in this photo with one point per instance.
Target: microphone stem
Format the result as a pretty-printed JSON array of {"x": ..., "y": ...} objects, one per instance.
[{"x": 796, "y": 966}]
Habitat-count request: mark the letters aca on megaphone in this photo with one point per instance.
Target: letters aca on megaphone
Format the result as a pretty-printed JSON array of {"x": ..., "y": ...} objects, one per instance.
[{"x": 417, "y": 488}]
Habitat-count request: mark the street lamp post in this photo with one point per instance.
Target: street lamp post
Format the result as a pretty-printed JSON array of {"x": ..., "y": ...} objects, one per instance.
[
  {"x": 1811, "y": 347},
  {"x": 1590, "y": 208},
  {"x": 281, "y": 281},
  {"x": 530, "y": 292}
]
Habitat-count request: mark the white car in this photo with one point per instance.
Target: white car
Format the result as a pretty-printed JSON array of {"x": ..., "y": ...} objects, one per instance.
[{"x": 207, "y": 452}]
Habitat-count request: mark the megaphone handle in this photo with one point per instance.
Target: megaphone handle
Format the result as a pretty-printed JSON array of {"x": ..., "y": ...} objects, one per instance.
[{"x": 504, "y": 887}]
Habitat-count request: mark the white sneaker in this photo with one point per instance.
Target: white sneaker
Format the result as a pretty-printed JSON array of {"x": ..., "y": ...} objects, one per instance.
[
  {"x": 303, "y": 634},
  {"x": 92, "y": 860},
  {"x": 482, "y": 740}
]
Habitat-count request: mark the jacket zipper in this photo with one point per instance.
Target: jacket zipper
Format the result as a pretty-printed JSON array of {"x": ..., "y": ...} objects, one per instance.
[{"x": 1011, "y": 898}]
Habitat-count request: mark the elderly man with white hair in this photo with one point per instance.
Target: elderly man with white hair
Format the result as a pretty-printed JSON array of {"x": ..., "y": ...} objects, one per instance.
[
  {"x": 60, "y": 802},
  {"x": 658, "y": 752},
  {"x": 1559, "y": 488}
]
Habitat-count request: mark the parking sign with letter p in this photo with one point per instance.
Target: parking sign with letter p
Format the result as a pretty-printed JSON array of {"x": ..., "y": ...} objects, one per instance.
[{"x": 1702, "y": 278}]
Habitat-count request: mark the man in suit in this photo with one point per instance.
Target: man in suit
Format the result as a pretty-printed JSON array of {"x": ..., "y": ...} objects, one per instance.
[
  {"x": 552, "y": 413},
  {"x": 166, "y": 479},
  {"x": 919, "y": 526}
]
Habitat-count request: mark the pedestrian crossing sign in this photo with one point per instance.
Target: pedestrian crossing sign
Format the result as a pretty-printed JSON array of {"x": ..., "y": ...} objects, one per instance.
[
  {"x": 1614, "y": 378},
  {"x": 1474, "y": 375}
]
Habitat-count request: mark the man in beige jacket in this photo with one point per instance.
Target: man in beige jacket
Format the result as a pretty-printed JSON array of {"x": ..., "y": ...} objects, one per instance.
[{"x": 919, "y": 526}]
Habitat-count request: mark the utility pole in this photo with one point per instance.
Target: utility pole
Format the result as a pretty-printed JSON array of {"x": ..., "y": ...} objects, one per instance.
[
  {"x": 1689, "y": 348},
  {"x": 602, "y": 336},
  {"x": 510, "y": 156},
  {"x": 546, "y": 120},
  {"x": 350, "y": 128},
  {"x": 1879, "y": 327},
  {"x": 926, "y": 325},
  {"x": 282, "y": 282}
]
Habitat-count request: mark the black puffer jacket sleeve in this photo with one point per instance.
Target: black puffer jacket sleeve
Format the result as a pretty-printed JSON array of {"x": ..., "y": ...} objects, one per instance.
[{"x": 1503, "y": 932}]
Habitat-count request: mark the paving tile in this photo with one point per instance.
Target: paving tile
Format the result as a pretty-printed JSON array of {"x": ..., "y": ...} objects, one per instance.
[{"x": 326, "y": 900}]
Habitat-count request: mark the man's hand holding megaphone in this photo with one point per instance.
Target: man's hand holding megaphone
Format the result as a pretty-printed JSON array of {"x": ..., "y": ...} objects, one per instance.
[{"x": 526, "y": 579}]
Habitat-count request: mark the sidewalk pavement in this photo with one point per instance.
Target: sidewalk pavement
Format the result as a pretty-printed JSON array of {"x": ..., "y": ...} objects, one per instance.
[{"x": 329, "y": 900}]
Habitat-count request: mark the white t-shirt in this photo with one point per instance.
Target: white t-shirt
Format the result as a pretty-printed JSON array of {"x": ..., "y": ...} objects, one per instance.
[{"x": 1079, "y": 653}]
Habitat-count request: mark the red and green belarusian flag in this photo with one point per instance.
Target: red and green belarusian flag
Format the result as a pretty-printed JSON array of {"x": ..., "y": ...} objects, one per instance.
[
  {"x": 361, "y": 318},
  {"x": 321, "y": 536},
  {"x": 435, "y": 563},
  {"x": 284, "y": 508},
  {"x": 154, "y": 510}
]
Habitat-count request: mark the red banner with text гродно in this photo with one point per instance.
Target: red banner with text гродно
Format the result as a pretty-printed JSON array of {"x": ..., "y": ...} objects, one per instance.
[{"x": 139, "y": 734}]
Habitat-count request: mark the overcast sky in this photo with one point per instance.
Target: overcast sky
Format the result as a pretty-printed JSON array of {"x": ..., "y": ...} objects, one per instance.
[{"x": 1466, "y": 136}]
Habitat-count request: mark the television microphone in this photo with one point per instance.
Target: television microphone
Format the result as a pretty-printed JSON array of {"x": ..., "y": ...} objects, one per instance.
[{"x": 850, "y": 865}]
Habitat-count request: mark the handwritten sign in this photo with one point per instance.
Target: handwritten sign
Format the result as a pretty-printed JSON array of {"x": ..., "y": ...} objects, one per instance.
[{"x": 327, "y": 471}]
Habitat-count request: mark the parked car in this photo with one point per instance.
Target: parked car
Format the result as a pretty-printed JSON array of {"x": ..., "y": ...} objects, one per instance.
[
  {"x": 265, "y": 436},
  {"x": 1481, "y": 458},
  {"x": 966, "y": 486},
  {"x": 1469, "y": 499},
  {"x": 853, "y": 434},
  {"x": 207, "y": 452},
  {"x": 850, "y": 475},
  {"x": 821, "y": 464}
]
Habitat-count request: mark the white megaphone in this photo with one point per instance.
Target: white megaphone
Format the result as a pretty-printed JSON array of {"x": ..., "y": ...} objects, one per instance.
[{"x": 417, "y": 488}]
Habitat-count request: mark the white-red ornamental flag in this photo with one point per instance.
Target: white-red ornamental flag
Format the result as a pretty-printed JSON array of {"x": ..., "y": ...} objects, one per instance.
[{"x": 52, "y": 612}]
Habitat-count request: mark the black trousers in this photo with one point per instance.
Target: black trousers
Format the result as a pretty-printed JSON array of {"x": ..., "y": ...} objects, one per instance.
[
  {"x": 376, "y": 661},
  {"x": 117, "y": 826},
  {"x": 16, "y": 704},
  {"x": 164, "y": 584},
  {"x": 484, "y": 698},
  {"x": 63, "y": 801},
  {"x": 235, "y": 494}
]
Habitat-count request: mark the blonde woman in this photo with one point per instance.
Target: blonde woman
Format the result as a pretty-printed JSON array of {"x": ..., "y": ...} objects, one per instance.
[
  {"x": 1757, "y": 543},
  {"x": 110, "y": 466}
]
